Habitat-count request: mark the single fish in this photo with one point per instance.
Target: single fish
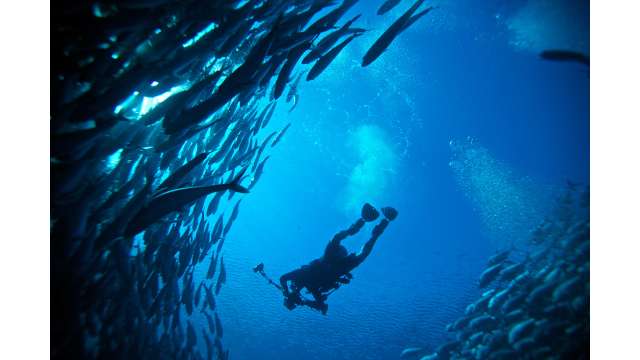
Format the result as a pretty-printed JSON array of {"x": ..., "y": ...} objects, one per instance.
[
  {"x": 219, "y": 332},
  {"x": 222, "y": 276},
  {"x": 280, "y": 135},
  {"x": 179, "y": 174},
  {"x": 327, "y": 58},
  {"x": 232, "y": 218},
  {"x": 174, "y": 200},
  {"x": 383, "y": 42},
  {"x": 565, "y": 55},
  {"x": 387, "y": 5}
]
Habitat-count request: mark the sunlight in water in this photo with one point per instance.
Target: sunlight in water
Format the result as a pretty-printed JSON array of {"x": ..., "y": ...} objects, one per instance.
[
  {"x": 148, "y": 103},
  {"x": 113, "y": 160},
  {"x": 375, "y": 161},
  {"x": 199, "y": 35}
]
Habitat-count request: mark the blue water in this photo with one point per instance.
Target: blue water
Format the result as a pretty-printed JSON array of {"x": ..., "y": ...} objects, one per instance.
[{"x": 467, "y": 72}]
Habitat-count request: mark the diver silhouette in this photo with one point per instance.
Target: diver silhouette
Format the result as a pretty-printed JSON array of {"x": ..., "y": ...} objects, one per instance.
[{"x": 324, "y": 275}]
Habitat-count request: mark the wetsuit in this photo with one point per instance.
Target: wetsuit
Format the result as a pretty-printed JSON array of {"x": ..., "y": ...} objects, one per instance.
[{"x": 332, "y": 269}]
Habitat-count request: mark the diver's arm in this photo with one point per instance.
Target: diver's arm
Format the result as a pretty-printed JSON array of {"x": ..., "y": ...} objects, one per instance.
[{"x": 284, "y": 279}]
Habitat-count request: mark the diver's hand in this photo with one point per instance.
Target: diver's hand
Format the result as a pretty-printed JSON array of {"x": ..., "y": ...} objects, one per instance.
[{"x": 290, "y": 303}]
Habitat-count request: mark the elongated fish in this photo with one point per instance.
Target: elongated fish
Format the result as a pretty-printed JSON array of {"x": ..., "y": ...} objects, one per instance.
[
  {"x": 328, "y": 41},
  {"x": 219, "y": 332},
  {"x": 327, "y": 58},
  {"x": 213, "y": 205},
  {"x": 179, "y": 174},
  {"x": 565, "y": 55},
  {"x": 174, "y": 200},
  {"x": 331, "y": 18},
  {"x": 387, "y": 5},
  {"x": 262, "y": 147},
  {"x": 489, "y": 275},
  {"x": 292, "y": 95},
  {"x": 211, "y": 300},
  {"x": 210, "y": 323},
  {"x": 280, "y": 135},
  {"x": 212, "y": 267},
  {"x": 191, "y": 335},
  {"x": 232, "y": 218},
  {"x": 197, "y": 295},
  {"x": 392, "y": 32},
  {"x": 259, "y": 171},
  {"x": 222, "y": 276},
  {"x": 285, "y": 73}
]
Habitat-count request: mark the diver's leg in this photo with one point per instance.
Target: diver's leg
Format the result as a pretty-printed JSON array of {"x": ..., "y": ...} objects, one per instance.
[
  {"x": 352, "y": 230},
  {"x": 368, "y": 246},
  {"x": 368, "y": 213}
]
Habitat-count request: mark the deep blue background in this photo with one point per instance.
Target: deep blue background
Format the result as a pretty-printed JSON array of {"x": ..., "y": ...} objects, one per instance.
[{"x": 381, "y": 134}]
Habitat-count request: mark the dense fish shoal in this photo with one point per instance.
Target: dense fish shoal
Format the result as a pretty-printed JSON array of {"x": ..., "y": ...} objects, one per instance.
[{"x": 158, "y": 117}]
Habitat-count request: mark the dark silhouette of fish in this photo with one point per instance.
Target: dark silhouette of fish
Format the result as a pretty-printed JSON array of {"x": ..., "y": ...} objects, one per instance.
[
  {"x": 330, "y": 19},
  {"x": 174, "y": 200},
  {"x": 401, "y": 24},
  {"x": 328, "y": 41},
  {"x": 222, "y": 276},
  {"x": 565, "y": 55},
  {"x": 280, "y": 135},
  {"x": 179, "y": 174},
  {"x": 285, "y": 73},
  {"x": 387, "y": 5},
  {"x": 259, "y": 171},
  {"x": 327, "y": 58},
  {"x": 232, "y": 218}
]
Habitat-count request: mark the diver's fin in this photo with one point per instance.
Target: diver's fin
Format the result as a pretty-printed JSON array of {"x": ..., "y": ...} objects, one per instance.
[
  {"x": 389, "y": 212},
  {"x": 369, "y": 213}
]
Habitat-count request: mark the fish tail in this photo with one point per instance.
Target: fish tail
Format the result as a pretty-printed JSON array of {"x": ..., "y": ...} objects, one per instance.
[{"x": 235, "y": 184}]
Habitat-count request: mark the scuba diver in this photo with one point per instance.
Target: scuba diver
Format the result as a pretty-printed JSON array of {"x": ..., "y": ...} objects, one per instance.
[{"x": 324, "y": 275}]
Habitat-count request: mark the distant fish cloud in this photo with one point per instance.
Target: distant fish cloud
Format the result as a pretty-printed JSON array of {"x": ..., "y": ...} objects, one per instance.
[
  {"x": 509, "y": 204},
  {"x": 550, "y": 24}
]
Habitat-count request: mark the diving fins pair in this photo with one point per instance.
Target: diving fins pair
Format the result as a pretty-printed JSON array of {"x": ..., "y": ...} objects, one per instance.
[{"x": 369, "y": 213}]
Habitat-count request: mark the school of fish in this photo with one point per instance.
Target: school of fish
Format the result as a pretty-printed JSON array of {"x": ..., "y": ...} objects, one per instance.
[
  {"x": 535, "y": 301},
  {"x": 157, "y": 121}
]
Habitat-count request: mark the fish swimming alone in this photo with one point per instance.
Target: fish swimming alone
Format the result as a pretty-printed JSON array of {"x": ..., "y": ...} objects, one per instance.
[
  {"x": 387, "y": 6},
  {"x": 565, "y": 55},
  {"x": 401, "y": 24},
  {"x": 280, "y": 135}
]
